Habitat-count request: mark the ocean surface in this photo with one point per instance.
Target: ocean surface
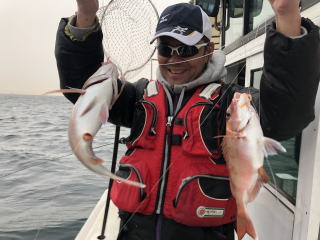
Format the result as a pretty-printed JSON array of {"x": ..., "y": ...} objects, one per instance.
[{"x": 45, "y": 192}]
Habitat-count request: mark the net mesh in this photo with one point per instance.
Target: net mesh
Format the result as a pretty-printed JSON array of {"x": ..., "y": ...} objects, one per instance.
[{"x": 128, "y": 27}]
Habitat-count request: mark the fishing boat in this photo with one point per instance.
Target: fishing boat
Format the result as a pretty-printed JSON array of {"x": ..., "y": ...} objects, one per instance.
[
  {"x": 93, "y": 227},
  {"x": 287, "y": 208}
]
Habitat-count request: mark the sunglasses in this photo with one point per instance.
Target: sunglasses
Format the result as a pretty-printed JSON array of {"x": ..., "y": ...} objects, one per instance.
[{"x": 184, "y": 51}]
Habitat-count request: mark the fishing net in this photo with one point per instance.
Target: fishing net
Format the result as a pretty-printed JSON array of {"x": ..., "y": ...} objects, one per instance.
[{"x": 128, "y": 27}]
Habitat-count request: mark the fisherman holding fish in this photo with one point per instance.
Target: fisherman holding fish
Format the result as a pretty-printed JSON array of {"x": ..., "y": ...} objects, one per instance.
[{"x": 175, "y": 147}]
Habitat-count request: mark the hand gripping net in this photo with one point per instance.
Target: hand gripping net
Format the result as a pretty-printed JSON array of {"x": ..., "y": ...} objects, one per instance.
[{"x": 128, "y": 26}]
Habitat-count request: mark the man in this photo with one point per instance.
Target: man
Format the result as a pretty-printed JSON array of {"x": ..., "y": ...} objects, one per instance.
[{"x": 173, "y": 120}]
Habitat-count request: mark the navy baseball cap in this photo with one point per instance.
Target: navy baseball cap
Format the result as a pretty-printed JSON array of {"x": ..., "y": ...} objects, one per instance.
[{"x": 185, "y": 22}]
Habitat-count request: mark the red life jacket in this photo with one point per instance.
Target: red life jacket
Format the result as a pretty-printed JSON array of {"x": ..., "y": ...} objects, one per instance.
[{"x": 183, "y": 180}]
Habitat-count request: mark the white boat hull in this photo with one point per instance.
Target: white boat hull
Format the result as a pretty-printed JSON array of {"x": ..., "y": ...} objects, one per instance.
[{"x": 93, "y": 226}]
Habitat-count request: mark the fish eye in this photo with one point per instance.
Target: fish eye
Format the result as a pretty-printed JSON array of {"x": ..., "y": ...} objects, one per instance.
[{"x": 228, "y": 115}]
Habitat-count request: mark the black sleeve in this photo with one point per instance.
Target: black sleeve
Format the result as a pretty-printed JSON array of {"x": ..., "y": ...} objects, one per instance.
[
  {"x": 77, "y": 60},
  {"x": 290, "y": 82}
]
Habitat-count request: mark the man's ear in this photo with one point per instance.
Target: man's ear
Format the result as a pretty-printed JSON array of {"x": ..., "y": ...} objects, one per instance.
[
  {"x": 211, "y": 46},
  {"x": 210, "y": 50}
]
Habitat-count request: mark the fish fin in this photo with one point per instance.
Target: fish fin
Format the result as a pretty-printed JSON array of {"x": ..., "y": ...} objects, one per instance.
[
  {"x": 242, "y": 134},
  {"x": 88, "y": 108},
  {"x": 123, "y": 180},
  {"x": 272, "y": 147},
  {"x": 130, "y": 182},
  {"x": 107, "y": 61},
  {"x": 263, "y": 175},
  {"x": 104, "y": 113},
  {"x": 220, "y": 136},
  {"x": 245, "y": 225},
  {"x": 74, "y": 90},
  {"x": 116, "y": 93},
  {"x": 255, "y": 190},
  {"x": 100, "y": 169}
]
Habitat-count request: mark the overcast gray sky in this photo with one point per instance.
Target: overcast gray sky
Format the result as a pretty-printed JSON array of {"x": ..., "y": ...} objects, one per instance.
[{"x": 28, "y": 28}]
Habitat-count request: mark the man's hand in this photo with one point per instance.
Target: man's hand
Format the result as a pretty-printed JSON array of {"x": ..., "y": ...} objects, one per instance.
[
  {"x": 288, "y": 18},
  {"x": 86, "y": 14}
]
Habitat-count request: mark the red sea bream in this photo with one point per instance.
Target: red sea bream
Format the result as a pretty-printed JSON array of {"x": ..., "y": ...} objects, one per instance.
[{"x": 244, "y": 149}]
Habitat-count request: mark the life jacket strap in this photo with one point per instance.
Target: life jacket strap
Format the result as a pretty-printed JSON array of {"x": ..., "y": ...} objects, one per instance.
[
  {"x": 152, "y": 89},
  {"x": 209, "y": 90}
]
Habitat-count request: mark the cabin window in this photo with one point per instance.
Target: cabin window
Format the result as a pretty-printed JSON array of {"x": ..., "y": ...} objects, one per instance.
[
  {"x": 258, "y": 16},
  {"x": 243, "y": 16},
  {"x": 282, "y": 168},
  {"x": 238, "y": 20},
  {"x": 256, "y": 78},
  {"x": 211, "y": 7},
  {"x": 308, "y": 3},
  {"x": 235, "y": 30},
  {"x": 236, "y": 73}
]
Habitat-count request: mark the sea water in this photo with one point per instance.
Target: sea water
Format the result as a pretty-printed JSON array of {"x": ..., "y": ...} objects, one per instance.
[{"x": 45, "y": 192}]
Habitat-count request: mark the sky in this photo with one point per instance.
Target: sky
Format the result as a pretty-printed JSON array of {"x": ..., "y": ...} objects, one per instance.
[{"x": 27, "y": 38}]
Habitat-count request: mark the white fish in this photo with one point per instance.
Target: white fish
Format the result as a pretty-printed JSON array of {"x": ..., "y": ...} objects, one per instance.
[
  {"x": 244, "y": 148},
  {"x": 90, "y": 111}
]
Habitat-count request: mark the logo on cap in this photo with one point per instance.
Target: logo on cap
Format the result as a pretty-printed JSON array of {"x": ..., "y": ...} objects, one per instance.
[
  {"x": 163, "y": 19},
  {"x": 179, "y": 30}
]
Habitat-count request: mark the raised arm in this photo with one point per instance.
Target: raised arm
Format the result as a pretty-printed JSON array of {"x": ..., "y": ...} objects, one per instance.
[
  {"x": 78, "y": 50},
  {"x": 291, "y": 72},
  {"x": 76, "y": 60},
  {"x": 79, "y": 53}
]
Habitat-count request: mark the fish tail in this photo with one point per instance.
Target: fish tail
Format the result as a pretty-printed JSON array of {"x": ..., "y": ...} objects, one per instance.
[
  {"x": 220, "y": 136},
  {"x": 272, "y": 146},
  {"x": 245, "y": 225},
  {"x": 263, "y": 175},
  {"x": 126, "y": 181},
  {"x": 80, "y": 91}
]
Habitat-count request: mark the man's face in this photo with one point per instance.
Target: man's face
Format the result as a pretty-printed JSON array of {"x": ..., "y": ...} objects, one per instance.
[{"x": 184, "y": 72}]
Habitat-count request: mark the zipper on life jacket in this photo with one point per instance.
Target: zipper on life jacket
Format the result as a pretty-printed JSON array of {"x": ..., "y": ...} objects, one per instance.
[
  {"x": 165, "y": 165},
  {"x": 186, "y": 180},
  {"x": 167, "y": 147},
  {"x": 152, "y": 131},
  {"x": 186, "y": 134},
  {"x": 129, "y": 166}
]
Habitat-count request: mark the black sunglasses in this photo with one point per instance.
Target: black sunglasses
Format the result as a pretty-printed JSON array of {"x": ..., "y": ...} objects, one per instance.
[{"x": 184, "y": 51}]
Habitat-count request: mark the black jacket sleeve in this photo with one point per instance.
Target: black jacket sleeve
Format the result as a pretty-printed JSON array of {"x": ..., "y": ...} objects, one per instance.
[
  {"x": 77, "y": 60},
  {"x": 290, "y": 82}
]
